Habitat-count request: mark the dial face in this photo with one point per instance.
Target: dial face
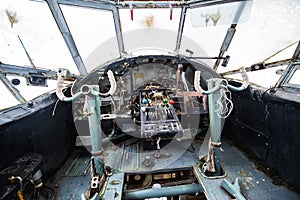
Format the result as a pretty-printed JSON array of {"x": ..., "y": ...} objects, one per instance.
[{"x": 139, "y": 81}]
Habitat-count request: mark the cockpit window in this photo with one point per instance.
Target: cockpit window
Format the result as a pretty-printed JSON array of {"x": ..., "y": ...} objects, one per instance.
[
  {"x": 149, "y": 30},
  {"x": 29, "y": 37},
  {"x": 144, "y": 32},
  {"x": 94, "y": 34},
  {"x": 7, "y": 99},
  {"x": 29, "y": 25},
  {"x": 295, "y": 78},
  {"x": 291, "y": 78}
]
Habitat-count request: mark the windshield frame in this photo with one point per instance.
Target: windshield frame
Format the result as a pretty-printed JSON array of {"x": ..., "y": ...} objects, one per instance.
[{"x": 114, "y": 8}]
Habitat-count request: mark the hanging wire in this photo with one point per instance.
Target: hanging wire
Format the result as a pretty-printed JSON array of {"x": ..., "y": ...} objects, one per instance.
[
  {"x": 55, "y": 106},
  {"x": 281, "y": 50},
  {"x": 224, "y": 104},
  {"x": 56, "y": 103}
]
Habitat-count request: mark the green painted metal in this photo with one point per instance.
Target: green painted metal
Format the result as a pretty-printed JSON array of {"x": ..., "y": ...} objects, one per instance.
[
  {"x": 163, "y": 192},
  {"x": 94, "y": 104},
  {"x": 215, "y": 122},
  {"x": 233, "y": 189}
]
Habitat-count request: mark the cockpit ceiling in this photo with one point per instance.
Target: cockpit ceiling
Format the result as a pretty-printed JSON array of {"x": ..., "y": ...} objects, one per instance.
[{"x": 157, "y": 0}]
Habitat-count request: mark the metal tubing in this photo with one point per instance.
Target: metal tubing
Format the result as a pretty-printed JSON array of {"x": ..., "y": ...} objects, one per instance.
[
  {"x": 230, "y": 33},
  {"x": 212, "y": 90},
  {"x": 118, "y": 28},
  {"x": 163, "y": 192},
  {"x": 14, "y": 91},
  {"x": 240, "y": 11},
  {"x": 180, "y": 29},
  {"x": 225, "y": 45},
  {"x": 26, "y": 71},
  {"x": 59, "y": 91},
  {"x": 245, "y": 82},
  {"x": 75, "y": 96},
  {"x": 214, "y": 123},
  {"x": 236, "y": 89},
  {"x": 94, "y": 122},
  {"x": 296, "y": 54},
  {"x": 229, "y": 36},
  {"x": 94, "y": 104},
  {"x": 26, "y": 52},
  {"x": 151, "y": 4}
]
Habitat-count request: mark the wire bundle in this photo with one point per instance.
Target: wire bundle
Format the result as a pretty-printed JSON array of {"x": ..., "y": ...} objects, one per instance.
[{"x": 224, "y": 104}]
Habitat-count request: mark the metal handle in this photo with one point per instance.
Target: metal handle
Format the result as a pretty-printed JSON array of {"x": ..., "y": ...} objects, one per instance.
[
  {"x": 245, "y": 82},
  {"x": 113, "y": 84},
  {"x": 85, "y": 89},
  {"x": 218, "y": 84},
  {"x": 59, "y": 90}
]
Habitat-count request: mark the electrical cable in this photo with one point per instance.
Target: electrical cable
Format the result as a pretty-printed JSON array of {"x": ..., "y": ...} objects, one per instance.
[{"x": 224, "y": 104}]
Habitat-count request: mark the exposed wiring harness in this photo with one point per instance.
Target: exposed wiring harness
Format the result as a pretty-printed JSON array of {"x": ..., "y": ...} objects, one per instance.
[{"x": 224, "y": 104}]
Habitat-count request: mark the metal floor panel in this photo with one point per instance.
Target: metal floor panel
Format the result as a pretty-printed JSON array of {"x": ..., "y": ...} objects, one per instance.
[
  {"x": 131, "y": 158},
  {"x": 73, "y": 178},
  {"x": 254, "y": 183}
]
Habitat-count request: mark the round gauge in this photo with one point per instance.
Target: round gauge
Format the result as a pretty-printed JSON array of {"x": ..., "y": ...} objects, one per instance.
[{"x": 139, "y": 81}]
